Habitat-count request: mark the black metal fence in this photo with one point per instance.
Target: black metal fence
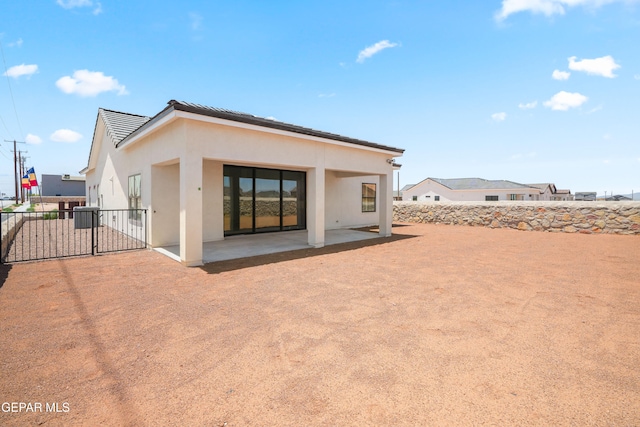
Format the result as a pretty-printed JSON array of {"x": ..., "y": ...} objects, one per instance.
[{"x": 29, "y": 236}]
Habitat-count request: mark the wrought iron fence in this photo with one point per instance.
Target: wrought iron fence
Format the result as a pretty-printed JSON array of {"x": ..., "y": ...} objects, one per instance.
[{"x": 28, "y": 236}]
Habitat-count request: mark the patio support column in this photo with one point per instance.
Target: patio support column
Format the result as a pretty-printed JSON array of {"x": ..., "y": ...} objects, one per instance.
[
  {"x": 191, "y": 210},
  {"x": 315, "y": 206},
  {"x": 385, "y": 198}
]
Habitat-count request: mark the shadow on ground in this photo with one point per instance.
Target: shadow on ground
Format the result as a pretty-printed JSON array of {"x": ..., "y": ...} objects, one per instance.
[
  {"x": 4, "y": 273},
  {"x": 255, "y": 261}
]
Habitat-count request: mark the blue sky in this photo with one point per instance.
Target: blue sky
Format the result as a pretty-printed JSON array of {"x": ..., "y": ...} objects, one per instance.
[{"x": 524, "y": 90}]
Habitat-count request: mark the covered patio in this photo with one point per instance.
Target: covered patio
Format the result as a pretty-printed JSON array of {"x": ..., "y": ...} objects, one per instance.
[{"x": 248, "y": 245}]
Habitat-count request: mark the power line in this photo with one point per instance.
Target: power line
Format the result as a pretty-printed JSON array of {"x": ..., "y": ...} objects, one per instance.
[
  {"x": 6, "y": 73},
  {"x": 5, "y": 156},
  {"x": 5, "y": 126}
]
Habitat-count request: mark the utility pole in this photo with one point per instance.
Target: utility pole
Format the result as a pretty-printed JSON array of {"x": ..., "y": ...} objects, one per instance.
[{"x": 15, "y": 164}]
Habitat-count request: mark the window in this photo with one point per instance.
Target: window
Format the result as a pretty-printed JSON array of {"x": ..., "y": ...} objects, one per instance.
[
  {"x": 135, "y": 198},
  {"x": 260, "y": 200},
  {"x": 491, "y": 198},
  {"x": 368, "y": 197},
  {"x": 414, "y": 198},
  {"x": 437, "y": 198}
]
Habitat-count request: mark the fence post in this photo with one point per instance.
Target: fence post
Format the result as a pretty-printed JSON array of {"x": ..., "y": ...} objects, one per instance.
[{"x": 93, "y": 228}]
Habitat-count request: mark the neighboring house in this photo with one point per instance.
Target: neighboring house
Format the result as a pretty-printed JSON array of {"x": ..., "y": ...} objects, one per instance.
[
  {"x": 588, "y": 196},
  {"x": 548, "y": 191},
  {"x": 469, "y": 189},
  {"x": 562, "y": 195},
  {"x": 206, "y": 173},
  {"x": 62, "y": 185},
  {"x": 397, "y": 194}
]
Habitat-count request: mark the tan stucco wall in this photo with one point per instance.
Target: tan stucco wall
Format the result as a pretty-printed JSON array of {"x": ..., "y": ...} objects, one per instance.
[
  {"x": 165, "y": 216},
  {"x": 343, "y": 201}
]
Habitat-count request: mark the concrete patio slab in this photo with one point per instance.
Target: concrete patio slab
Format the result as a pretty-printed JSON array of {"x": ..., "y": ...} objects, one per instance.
[{"x": 248, "y": 245}]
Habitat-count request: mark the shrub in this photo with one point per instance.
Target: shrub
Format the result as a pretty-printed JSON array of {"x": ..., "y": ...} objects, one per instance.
[{"x": 51, "y": 215}]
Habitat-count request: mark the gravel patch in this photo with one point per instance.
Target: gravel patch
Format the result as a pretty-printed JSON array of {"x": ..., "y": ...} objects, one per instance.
[{"x": 55, "y": 238}]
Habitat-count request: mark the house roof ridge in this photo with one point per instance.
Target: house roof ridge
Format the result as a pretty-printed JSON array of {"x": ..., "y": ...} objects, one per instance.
[{"x": 122, "y": 112}]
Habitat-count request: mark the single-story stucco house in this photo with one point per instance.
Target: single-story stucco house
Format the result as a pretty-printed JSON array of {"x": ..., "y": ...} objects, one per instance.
[
  {"x": 479, "y": 189},
  {"x": 205, "y": 173}
]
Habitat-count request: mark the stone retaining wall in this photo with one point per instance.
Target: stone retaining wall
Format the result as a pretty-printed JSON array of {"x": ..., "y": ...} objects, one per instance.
[{"x": 567, "y": 217}]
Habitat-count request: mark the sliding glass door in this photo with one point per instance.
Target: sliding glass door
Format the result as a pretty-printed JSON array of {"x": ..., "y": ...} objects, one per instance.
[{"x": 260, "y": 200}]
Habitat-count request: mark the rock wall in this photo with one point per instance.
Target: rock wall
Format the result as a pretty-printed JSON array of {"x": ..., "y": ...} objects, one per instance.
[{"x": 567, "y": 217}]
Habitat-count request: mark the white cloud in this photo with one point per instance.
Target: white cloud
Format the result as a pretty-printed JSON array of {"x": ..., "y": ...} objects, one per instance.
[
  {"x": 548, "y": 7},
  {"x": 593, "y": 110},
  {"x": 65, "y": 135},
  {"x": 17, "y": 43},
  {"x": 562, "y": 101},
  {"x": 373, "y": 49},
  {"x": 326, "y": 95},
  {"x": 560, "y": 75},
  {"x": 528, "y": 105},
  {"x": 90, "y": 83},
  {"x": 71, "y": 4},
  {"x": 637, "y": 77},
  {"x": 33, "y": 139},
  {"x": 603, "y": 66},
  {"x": 21, "y": 70},
  {"x": 499, "y": 117}
]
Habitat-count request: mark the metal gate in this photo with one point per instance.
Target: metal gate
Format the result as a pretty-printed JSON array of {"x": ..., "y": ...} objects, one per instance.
[{"x": 29, "y": 236}]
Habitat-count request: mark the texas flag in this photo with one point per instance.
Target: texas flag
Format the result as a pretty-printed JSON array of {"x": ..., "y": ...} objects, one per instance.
[
  {"x": 33, "y": 181},
  {"x": 25, "y": 182}
]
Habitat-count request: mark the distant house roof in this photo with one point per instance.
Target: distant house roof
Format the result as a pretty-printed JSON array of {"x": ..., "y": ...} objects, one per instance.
[
  {"x": 618, "y": 198},
  {"x": 406, "y": 187},
  {"x": 543, "y": 186},
  {"x": 478, "y": 184},
  {"x": 242, "y": 118}
]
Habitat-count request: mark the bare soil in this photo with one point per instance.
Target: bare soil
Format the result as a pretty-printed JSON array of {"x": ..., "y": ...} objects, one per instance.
[{"x": 437, "y": 325}]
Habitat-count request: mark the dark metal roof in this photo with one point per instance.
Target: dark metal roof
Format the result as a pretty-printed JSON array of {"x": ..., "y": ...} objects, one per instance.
[
  {"x": 254, "y": 120},
  {"x": 120, "y": 125},
  {"x": 478, "y": 184}
]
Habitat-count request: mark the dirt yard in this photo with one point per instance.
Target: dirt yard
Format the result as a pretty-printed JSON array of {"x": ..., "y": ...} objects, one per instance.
[{"x": 438, "y": 325}]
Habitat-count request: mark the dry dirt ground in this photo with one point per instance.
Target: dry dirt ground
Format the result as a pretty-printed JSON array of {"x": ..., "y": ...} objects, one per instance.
[{"x": 438, "y": 325}]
